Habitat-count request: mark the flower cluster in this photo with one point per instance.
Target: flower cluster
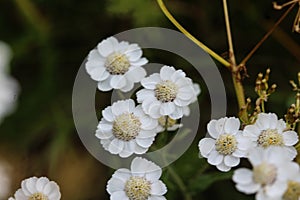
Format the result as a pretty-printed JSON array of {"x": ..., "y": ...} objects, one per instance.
[
  {"x": 267, "y": 144},
  {"x": 8, "y": 85},
  {"x": 127, "y": 128}
]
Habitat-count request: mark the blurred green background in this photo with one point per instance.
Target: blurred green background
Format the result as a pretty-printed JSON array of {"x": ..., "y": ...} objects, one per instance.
[{"x": 50, "y": 40}]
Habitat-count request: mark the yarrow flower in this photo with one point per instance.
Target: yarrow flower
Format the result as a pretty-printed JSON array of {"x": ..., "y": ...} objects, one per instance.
[
  {"x": 116, "y": 65},
  {"x": 8, "y": 85},
  {"x": 227, "y": 144},
  {"x": 167, "y": 93},
  {"x": 269, "y": 177},
  {"x": 269, "y": 131},
  {"x": 125, "y": 129},
  {"x": 37, "y": 189},
  {"x": 141, "y": 182}
]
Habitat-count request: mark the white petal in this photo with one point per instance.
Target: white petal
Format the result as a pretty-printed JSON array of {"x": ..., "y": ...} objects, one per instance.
[
  {"x": 181, "y": 102},
  {"x": 49, "y": 188},
  {"x": 120, "y": 195},
  {"x": 105, "y": 85},
  {"x": 232, "y": 125},
  {"x": 98, "y": 74},
  {"x": 154, "y": 109},
  {"x": 211, "y": 128},
  {"x": 158, "y": 188},
  {"x": 138, "y": 149},
  {"x": 156, "y": 198},
  {"x": 128, "y": 150},
  {"x": 220, "y": 125},
  {"x": 139, "y": 62},
  {"x": 136, "y": 74},
  {"x": 146, "y": 134},
  {"x": 151, "y": 81},
  {"x": 206, "y": 145},
  {"x": 252, "y": 131},
  {"x": 129, "y": 85},
  {"x": 186, "y": 93},
  {"x": 144, "y": 142},
  {"x": 133, "y": 52},
  {"x": 118, "y": 81},
  {"x": 116, "y": 146},
  {"x": 177, "y": 114},
  {"x": 266, "y": 121},
  {"x": 144, "y": 94},
  {"x": 123, "y": 106},
  {"x": 105, "y": 47},
  {"x": 222, "y": 167},
  {"x": 277, "y": 189},
  {"x": 250, "y": 188},
  {"x": 177, "y": 75},
  {"x": 214, "y": 158},
  {"x": 122, "y": 174},
  {"x": 186, "y": 111},
  {"x": 290, "y": 138},
  {"x": 141, "y": 166},
  {"x": 242, "y": 176},
  {"x": 107, "y": 114},
  {"x": 114, "y": 185},
  {"x": 166, "y": 72},
  {"x": 167, "y": 108},
  {"x": 231, "y": 161},
  {"x": 291, "y": 152},
  {"x": 41, "y": 183},
  {"x": 30, "y": 185},
  {"x": 148, "y": 123}
]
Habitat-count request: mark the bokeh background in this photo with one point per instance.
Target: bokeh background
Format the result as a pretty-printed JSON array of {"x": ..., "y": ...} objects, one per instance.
[{"x": 50, "y": 40}]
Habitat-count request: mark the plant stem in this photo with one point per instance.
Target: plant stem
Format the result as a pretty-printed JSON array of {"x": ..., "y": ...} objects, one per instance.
[
  {"x": 190, "y": 36},
  {"x": 236, "y": 76},
  {"x": 266, "y": 36},
  {"x": 179, "y": 182}
]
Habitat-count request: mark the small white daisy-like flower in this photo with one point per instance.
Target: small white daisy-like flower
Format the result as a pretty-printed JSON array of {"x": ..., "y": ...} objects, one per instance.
[
  {"x": 37, "y": 189},
  {"x": 141, "y": 182},
  {"x": 269, "y": 131},
  {"x": 167, "y": 93},
  {"x": 8, "y": 85},
  {"x": 116, "y": 65},
  {"x": 125, "y": 129},
  {"x": 227, "y": 144},
  {"x": 269, "y": 176}
]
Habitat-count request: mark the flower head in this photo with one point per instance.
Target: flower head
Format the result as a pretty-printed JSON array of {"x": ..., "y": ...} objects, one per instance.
[
  {"x": 116, "y": 65},
  {"x": 269, "y": 131},
  {"x": 269, "y": 176},
  {"x": 37, "y": 189},
  {"x": 125, "y": 129},
  {"x": 141, "y": 182},
  {"x": 167, "y": 93},
  {"x": 227, "y": 144}
]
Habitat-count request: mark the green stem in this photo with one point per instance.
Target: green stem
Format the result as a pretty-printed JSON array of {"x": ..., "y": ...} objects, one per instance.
[{"x": 179, "y": 182}]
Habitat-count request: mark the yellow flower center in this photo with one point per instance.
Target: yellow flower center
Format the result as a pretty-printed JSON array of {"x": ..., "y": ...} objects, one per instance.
[
  {"x": 264, "y": 173},
  {"x": 38, "y": 196},
  {"x": 270, "y": 137},
  {"x": 117, "y": 64},
  {"x": 163, "y": 120},
  {"x": 166, "y": 91},
  {"x": 293, "y": 191},
  {"x": 226, "y": 144},
  {"x": 137, "y": 188},
  {"x": 126, "y": 126}
]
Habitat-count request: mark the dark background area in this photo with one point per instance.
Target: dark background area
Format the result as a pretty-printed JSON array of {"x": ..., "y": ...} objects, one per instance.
[{"x": 50, "y": 40}]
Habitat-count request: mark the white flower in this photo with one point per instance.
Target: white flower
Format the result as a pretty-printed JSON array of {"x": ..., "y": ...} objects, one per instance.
[
  {"x": 37, "y": 188},
  {"x": 169, "y": 122},
  {"x": 269, "y": 131},
  {"x": 116, "y": 65},
  {"x": 167, "y": 93},
  {"x": 8, "y": 86},
  {"x": 268, "y": 178},
  {"x": 126, "y": 129},
  {"x": 141, "y": 182},
  {"x": 5, "y": 180},
  {"x": 227, "y": 144}
]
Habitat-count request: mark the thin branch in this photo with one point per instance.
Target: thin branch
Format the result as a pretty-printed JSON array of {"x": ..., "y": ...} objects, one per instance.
[
  {"x": 190, "y": 36},
  {"x": 266, "y": 36}
]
